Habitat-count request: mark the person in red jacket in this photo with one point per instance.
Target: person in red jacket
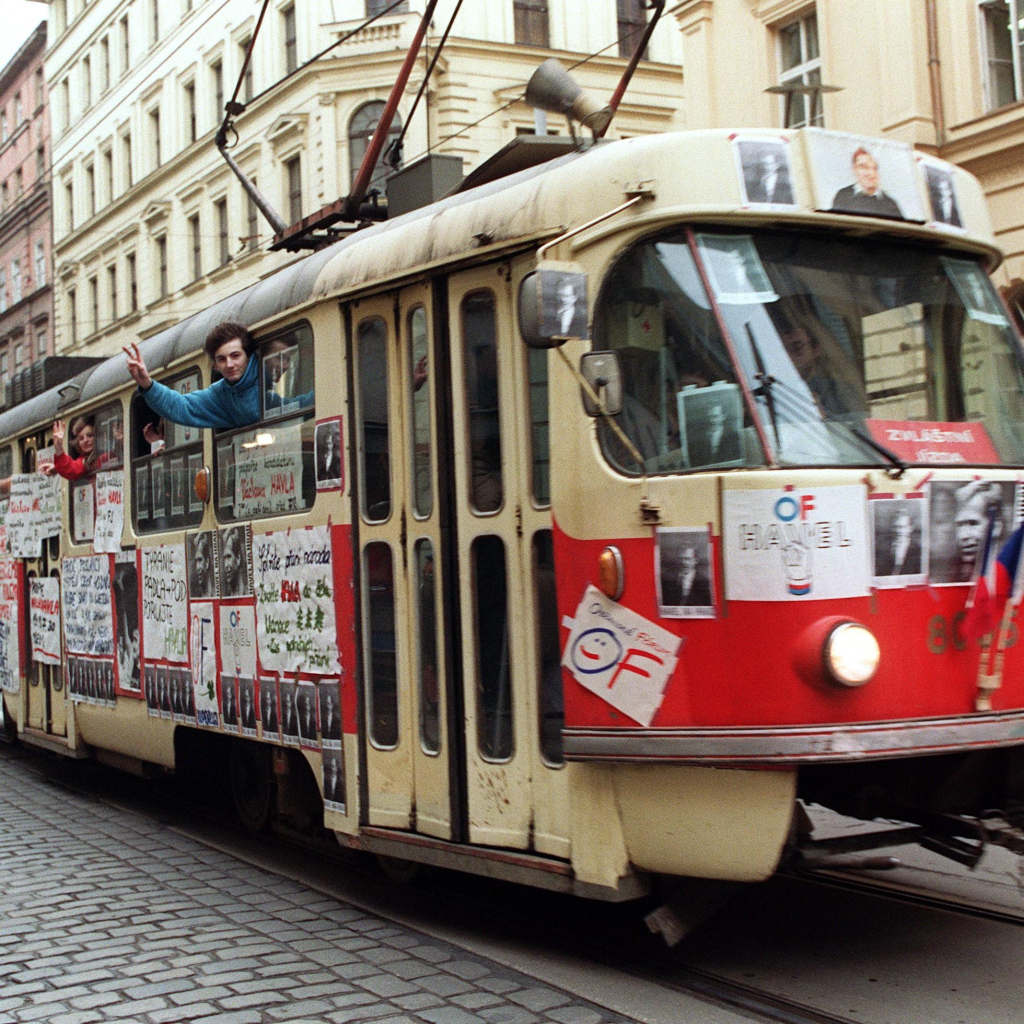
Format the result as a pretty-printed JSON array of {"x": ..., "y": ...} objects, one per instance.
[{"x": 83, "y": 444}]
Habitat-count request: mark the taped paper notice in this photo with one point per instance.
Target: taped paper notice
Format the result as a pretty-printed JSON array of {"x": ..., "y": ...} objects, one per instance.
[
  {"x": 797, "y": 545},
  {"x": 33, "y": 513},
  {"x": 620, "y": 656},
  {"x": 10, "y": 651},
  {"x": 109, "y": 511},
  {"x": 44, "y": 619},
  {"x": 203, "y": 662},
  {"x": 164, "y": 603},
  {"x": 88, "y": 619}
]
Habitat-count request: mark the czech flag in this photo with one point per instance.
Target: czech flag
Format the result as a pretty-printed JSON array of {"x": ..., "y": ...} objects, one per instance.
[{"x": 997, "y": 581}]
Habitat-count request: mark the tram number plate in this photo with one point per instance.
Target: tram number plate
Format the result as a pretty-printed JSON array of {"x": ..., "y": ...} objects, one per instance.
[{"x": 945, "y": 633}]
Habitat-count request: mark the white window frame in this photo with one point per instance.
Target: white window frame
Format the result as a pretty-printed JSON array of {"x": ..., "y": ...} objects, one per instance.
[
  {"x": 804, "y": 68},
  {"x": 1016, "y": 11},
  {"x": 40, "y": 256}
]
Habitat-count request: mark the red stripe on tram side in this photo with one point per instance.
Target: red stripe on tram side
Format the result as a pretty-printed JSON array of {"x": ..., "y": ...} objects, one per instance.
[{"x": 344, "y": 617}]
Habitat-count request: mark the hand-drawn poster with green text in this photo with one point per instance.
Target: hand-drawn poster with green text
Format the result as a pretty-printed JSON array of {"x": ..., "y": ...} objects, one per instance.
[{"x": 164, "y": 603}]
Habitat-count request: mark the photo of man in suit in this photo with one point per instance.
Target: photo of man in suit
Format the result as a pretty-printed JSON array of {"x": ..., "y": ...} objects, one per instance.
[
  {"x": 684, "y": 574},
  {"x": 268, "y": 707},
  {"x": 712, "y": 419},
  {"x": 866, "y": 195},
  {"x": 328, "y": 455},
  {"x": 766, "y": 172},
  {"x": 897, "y": 528},
  {"x": 942, "y": 195}
]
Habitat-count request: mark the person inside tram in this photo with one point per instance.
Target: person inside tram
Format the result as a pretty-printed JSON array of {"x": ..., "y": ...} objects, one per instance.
[{"x": 82, "y": 458}]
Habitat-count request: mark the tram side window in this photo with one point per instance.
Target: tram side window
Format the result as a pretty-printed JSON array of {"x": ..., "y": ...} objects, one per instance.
[
  {"x": 540, "y": 433},
  {"x": 379, "y": 618},
  {"x": 419, "y": 383},
  {"x": 268, "y": 468},
  {"x": 6, "y": 462},
  {"x": 480, "y": 366},
  {"x": 493, "y": 675},
  {"x": 374, "y": 429},
  {"x": 549, "y": 667},
  {"x": 165, "y": 460},
  {"x": 98, "y": 438},
  {"x": 426, "y": 584}
]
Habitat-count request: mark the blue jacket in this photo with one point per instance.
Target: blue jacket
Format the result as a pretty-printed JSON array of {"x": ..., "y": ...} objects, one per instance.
[{"x": 220, "y": 405}]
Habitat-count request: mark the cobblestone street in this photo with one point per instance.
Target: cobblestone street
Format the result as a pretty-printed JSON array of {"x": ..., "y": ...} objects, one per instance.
[{"x": 107, "y": 915}]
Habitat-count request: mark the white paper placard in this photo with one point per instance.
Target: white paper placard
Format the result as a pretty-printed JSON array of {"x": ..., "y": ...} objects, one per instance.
[
  {"x": 10, "y": 651},
  {"x": 109, "y": 511},
  {"x": 88, "y": 618},
  {"x": 44, "y": 619},
  {"x": 203, "y": 662},
  {"x": 268, "y": 478},
  {"x": 33, "y": 513},
  {"x": 238, "y": 640},
  {"x": 796, "y": 545},
  {"x": 620, "y": 656},
  {"x": 294, "y": 586},
  {"x": 164, "y": 603}
]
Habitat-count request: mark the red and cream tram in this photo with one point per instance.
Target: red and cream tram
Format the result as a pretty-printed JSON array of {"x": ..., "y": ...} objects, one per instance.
[{"x": 585, "y": 531}]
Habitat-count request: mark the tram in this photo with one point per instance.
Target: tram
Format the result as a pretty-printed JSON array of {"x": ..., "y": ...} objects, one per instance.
[{"x": 599, "y": 518}]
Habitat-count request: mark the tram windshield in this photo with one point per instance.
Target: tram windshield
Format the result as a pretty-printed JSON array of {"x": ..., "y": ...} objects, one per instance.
[{"x": 853, "y": 352}]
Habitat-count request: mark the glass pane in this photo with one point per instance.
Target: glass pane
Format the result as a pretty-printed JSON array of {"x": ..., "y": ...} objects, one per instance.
[
  {"x": 789, "y": 46},
  {"x": 419, "y": 374},
  {"x": 655, "y": 313},
  {"x": 382, "y": 678},
  {"x": 549, "y": 671},
  {"x": 480, "y": 355},
  {"x": 493, "y": 676},
  {"x": 426, "y": 584},
  {"x": 109, "y": 437},
  {"x": 811, "y": 37},
  {"x": 373, "y": 419},
  {"x": 539, "y": 426},
  {"x": 288, "y": 373}
]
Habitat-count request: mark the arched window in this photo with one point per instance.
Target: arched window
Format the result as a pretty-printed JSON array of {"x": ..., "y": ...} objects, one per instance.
[{"x": 360, "y": 131}]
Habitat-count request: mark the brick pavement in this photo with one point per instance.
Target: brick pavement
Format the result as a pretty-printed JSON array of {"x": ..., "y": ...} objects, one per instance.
[{"x": 106, "y": 915}]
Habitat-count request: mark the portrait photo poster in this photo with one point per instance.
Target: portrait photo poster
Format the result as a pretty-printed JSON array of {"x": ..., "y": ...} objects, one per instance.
[
  {"x": 765, "y": 170},
  {"x": 735, "y": 269},
  {"x": 943, "y": 194},
  {"x": 684, "y": 573},
  {"x": 329, "y": 457},
  {"x": 899, "y": 541}
]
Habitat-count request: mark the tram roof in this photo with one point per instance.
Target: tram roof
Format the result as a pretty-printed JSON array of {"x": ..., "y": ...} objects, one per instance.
[{"x": 687, "y": 169}]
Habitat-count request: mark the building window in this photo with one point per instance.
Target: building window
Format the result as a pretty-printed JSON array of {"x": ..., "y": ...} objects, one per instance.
[
  {"x": 1004, "y": 62},
  {"x": 39, "y": 89},
  {"x": 73, "y": 314},
  {"x": 3, "y": 291},
  {"x": 19, "y": 183},
  {"x": 247, "y": 87},
  {"x": 4, "y": 130},
  {"x": 69, "y": 205},
  {"x": 133, "y": 287},
  {"x": 190, "y": 111},
  {"x": 19, "y": 110},
  {"x": 217, "y": 73},
  {"x": 221, "y": 209},
  {"x": 377, "y": 6},
  {"x": 126, "y": 62},
  {"x": 154, "y": 135},
  {"x": 161, "y": 264},
  {"x": 40, "y": 160},
  {"x": 195, "y": 241},
  {"x": 126, "y": 156},
  {"x": 800, "y": 61},
  {"x": 291, "y": 53},
  {"x": 632, "y": 19},
  {"x": 87, "y": 82},
  {"x": 252, "y": 220},
  {"x": 531, "y": 22},
  {"x": 65, "y": 104},
  {"x": 19, "y": 356},
  {"x": 108, "y": 175},
  {"x": 293, "y": 169},
  {"x": 360, "y": 131},
  {"x": 4, "y": 197},
  {"x": 40, "y": 264},
  {"x": 112, "y": 290},
  {"x": 90, "y": 190},
  {"x": 104, "y": 64},
  {"x": 16, "y": 281},
  {"x": 42, "y": 343},
  {"x": 154, "y": 27},
  {"x": 94, "y": 302}
]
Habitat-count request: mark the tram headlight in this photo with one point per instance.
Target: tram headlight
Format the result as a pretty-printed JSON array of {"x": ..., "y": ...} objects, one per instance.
[{"x": 851, "y": 654}]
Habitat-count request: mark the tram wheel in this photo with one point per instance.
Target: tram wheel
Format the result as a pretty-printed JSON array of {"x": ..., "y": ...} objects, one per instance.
[
  {"x": 399, "y": 870},
  {"x": 252, "y": 784}
]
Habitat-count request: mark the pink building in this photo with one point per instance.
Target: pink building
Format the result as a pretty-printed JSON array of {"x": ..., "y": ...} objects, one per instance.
[{"x": 26, "y": 302}]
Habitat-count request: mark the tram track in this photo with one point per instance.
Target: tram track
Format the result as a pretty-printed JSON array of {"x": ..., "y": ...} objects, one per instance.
[{"x": 468, "y": 905}]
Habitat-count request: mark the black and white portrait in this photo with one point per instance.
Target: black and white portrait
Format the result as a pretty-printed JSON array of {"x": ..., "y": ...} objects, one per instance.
[
  {"x": 152, "y": 701},
  {"x": 942, "y": 195},
  {"x": 268, "y": 708},
  {"x": 158, "y": 477},
  {"x": 229, "y": 702},
  {"x": 234, "y": 548},
  {"x": 247, "y": 705},
  {"x": 334, "y": 780},
  {"x": 200, "y": 549},
  {"x": 142, "y": 493},
  {"x": 174, "y": 683},
  {"x": 871, "y": 178},
  {"x": 126, "y": 613},
  {"x": 330, "y": 713},
  {"x": 289, "y": 714},
  {"x": 306, "y": 707},
  {"x": 898, "y": 531},
  {"x": 959, "y": 514},
  {"x": 163, "y": 691},
  {"x": 177, "y": 475},
  {"x": 735, "y": 269},
  {"x": 684, "y": 574},
  {"x": 710, "y": 425},
  {"x": 766, "y": 173},
  {"x": 329, "y": 472},
  {"x": 188, "y": 697},
  {"x": 975, "y": 290},
  {"x": 225, "y": 475},
  {"x": 563, "y": 304}
]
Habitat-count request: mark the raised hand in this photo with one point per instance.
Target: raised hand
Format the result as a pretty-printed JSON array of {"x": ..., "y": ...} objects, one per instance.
[
  {"x": 137, "y": 366},
  {"x": 58, "y": 436}
]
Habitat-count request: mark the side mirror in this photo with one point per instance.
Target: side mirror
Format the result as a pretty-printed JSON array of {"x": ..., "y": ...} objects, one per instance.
[
  {"x": 553, "y": 305},
  {"x": 601, "y": 370}
]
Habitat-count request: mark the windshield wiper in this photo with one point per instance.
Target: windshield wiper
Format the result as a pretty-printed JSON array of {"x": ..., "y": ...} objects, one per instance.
[
  {"x": 767, "y": 381},
  {"x": 900, "y": 465}
]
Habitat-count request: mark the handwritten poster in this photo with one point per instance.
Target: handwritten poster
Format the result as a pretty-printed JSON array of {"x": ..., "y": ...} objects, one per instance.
[
  {"x": 33, "y": 513},
  {"x": 44, "y": 619},
  {"x": 164, "y": 603},
  {"x": 203, "y": 662},
  {"x": 10, "y": 648},
  {"x": 4, "y": 548},
  {"x": 88, "y": 617},
  {"x": 45, "y": 457},
  {"x": 83, "y": 511},
  {"x": 109, "y": 511},
  {"x": 268, "y": 476},
  {"x": 238, "y": 640},
  {"x": 294, "y": 585}
]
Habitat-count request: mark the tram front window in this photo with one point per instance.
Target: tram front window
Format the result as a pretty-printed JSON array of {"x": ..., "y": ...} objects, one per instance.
[{"x": 841, "y": 342}]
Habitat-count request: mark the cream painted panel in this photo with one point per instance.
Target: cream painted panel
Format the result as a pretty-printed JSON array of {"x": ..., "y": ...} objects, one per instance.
[{"x": 599, "y": 853}]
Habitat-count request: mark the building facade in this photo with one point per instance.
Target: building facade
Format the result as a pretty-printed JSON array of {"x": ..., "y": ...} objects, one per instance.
[
  {"x": 946, "y": 76},
  {"x": 25, "y": 291},
  {"x": 150, "y": 225}
]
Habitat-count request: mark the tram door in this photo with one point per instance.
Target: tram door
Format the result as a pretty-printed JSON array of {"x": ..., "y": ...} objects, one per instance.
[
  {"x": 399, "y": 546},
  {"x": 46, "y": 709}
]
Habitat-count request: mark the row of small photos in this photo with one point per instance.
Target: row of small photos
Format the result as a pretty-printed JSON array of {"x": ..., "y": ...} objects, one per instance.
[{"x": 91, "y": 681}]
